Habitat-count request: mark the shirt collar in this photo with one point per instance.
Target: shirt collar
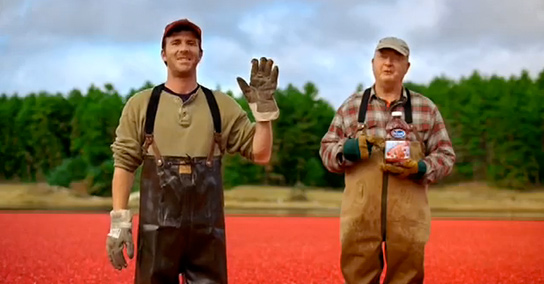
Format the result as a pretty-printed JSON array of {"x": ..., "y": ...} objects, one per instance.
[
  {"x": 187, "y": 98},
  {"x": 404, "y": 96}
]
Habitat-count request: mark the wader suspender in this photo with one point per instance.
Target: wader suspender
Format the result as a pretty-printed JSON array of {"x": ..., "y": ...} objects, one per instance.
[
  {"x": 361, "y": 120},
  {"x": 150, "y": 123},
  {"x": 366, "y": 99}
]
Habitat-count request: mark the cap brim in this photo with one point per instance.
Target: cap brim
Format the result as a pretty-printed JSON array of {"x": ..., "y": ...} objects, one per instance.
[{"x": 391, "y": 46}]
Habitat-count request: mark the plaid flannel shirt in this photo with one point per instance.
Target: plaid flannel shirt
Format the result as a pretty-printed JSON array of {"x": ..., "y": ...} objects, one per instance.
[{"x": 427, "y": 121}]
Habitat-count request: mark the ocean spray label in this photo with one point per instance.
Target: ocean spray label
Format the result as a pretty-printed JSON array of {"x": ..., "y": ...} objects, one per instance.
[{"x": 398, "y": 134}]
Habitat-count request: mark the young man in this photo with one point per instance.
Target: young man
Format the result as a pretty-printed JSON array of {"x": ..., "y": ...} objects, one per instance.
[
  {"x": 179, "y": 131},
  {"x": 385, "y": 202}
]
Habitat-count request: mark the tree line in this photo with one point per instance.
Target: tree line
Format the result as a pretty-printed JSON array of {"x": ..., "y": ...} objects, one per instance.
[{"x": 496, "y": 125}]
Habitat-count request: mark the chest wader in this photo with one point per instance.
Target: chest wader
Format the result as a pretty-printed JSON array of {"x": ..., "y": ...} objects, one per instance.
[
  {"x": 181, "y": 228},
  {"x": 381, "y": 209}
]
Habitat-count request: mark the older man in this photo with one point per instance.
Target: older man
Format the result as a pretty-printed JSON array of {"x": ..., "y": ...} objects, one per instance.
[{"x": 384, "y": 203}]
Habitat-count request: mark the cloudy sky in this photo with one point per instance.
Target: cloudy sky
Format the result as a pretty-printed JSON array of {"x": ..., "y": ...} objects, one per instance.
[{"x": 58, "y": 45}]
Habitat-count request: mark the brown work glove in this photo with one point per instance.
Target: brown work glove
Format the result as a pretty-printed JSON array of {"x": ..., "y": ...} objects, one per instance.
[
  {"x": 408, "y": 168},
  {"x": 260, "y": 91},
  {"x": 361, "y": 148},
  {"x": 120, "y": 235}
]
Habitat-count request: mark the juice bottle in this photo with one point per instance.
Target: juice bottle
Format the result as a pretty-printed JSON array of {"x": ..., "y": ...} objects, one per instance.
[{"x": 397, "y": 145}]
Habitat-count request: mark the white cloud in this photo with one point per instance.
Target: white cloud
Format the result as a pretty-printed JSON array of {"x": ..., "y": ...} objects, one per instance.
[
  {"x": 79, "y": 66},
  {"x": 57, "y": 45}
]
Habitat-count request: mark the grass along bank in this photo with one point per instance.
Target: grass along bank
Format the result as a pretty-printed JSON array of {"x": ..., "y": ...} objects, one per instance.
[{"x": 462, "y": 200}]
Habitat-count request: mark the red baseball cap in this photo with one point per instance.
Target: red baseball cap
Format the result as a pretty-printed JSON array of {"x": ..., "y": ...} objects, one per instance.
[{"x": 183, "y": 23}]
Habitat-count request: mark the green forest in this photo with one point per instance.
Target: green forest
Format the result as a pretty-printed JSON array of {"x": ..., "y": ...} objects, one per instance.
[{"x": 496, "y": 125}]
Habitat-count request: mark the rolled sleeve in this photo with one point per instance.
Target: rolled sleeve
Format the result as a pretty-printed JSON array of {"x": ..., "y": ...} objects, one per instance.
[{"x": 240, "y": 138}]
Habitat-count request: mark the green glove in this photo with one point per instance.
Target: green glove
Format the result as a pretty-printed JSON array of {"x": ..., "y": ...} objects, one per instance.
[
  {"x": 260, "y": 91},
  {"x": 360, "y": 148},
  {"x": 408, "y": 168},
  {"x": 120, "y": 235}
]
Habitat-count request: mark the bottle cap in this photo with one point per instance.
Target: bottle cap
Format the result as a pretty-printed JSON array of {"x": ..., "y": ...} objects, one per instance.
[{"x": 396, "y": 114}]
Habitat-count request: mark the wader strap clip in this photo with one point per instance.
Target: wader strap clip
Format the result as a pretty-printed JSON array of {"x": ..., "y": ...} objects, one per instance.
[
  {"x": 216, "y": 141},
  {"x": 150, "y": 142},
  {"x": 360, "y": 127}
]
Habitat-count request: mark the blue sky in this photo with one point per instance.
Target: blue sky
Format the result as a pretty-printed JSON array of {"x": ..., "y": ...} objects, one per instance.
[{"x": 58, "y": 45}]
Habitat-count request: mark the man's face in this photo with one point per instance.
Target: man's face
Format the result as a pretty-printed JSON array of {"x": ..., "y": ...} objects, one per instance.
[
  {"x": 182, "y": 53},
  {"x": 389, "y": 66}
]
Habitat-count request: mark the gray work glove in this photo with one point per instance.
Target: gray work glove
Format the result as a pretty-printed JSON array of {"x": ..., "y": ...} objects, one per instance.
[
  {"x": 120, "y": 235},
  {"x": 260, "y": 91}
]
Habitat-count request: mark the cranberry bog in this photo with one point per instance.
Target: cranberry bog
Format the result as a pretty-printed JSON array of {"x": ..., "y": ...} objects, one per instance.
[{"x": 60, "y": 247}]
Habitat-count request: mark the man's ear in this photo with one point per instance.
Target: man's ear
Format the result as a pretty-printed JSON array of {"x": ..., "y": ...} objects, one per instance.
[{"x": 163, "y": 56}]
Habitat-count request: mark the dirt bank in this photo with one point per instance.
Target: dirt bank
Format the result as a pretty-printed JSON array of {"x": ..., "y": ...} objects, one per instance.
[{"x": 462, "y": 200}]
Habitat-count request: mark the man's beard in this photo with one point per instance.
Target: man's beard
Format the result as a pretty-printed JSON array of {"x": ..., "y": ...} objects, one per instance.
[{"x": 184, "y": 72}]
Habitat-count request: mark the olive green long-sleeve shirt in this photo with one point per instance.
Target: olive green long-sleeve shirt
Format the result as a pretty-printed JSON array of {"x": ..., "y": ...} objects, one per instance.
[{"x": 181, "y": 128}]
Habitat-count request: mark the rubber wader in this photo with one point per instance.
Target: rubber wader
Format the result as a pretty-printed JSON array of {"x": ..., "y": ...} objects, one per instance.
[
  {"x": 182, "y": 227},
  {"x": 378, "y": 207}
]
